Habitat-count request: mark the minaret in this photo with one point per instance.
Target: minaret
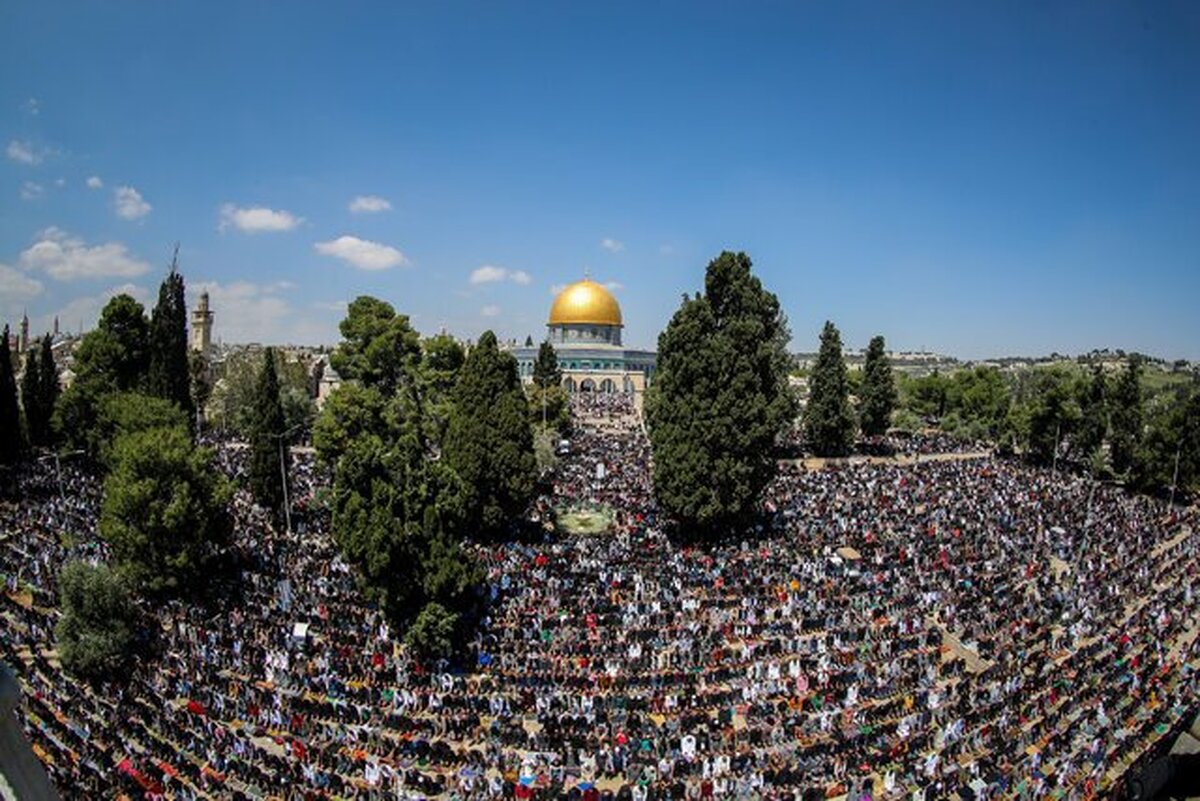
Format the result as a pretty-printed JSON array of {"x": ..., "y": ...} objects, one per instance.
[
  {"x": 202, "y": 319},
  {"x": 23, "y": 345},
  {"x": 56, "y": 326}
]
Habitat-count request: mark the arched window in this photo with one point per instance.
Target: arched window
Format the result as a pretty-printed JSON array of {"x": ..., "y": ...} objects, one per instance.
[
  {"x": 587, "y": 385},
  {"x": 569, "y": 385},
  {"x": 606, "y": 386}
]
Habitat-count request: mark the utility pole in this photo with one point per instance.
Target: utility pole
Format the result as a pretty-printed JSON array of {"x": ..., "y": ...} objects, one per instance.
[{"x": 287, "y": 506}]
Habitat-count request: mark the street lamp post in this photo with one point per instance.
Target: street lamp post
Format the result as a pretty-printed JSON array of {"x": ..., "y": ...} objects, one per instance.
[{"x": 287, "y": 505}]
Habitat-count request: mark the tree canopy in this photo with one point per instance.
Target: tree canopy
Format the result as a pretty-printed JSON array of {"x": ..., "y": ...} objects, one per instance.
[
  {"x": 398, "y": 512},
  {"x": 1126, "y": 416},
  {"x": 99, "y": 620},
  {"x": 112, "y": 358},
  {"x": 489, "y": 443},
  {"x": 828, "y": 420},
  {"x": 720, "y": 400},
  {"x": 168, "y": 374},
  {"x": 877, "y": 399},
  {"x": 268, "y": 451},
  {"x": 379, "y": 347},
  {"x": 10, "y": 415},
  {"x": 546, "y": 372},
  {"x": 165, "y": 510}
]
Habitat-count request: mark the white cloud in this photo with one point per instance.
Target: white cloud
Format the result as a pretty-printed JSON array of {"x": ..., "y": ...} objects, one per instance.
[
  {"x": 84, "y": 312},
  {"x": 614, "y": 286},
  {"x": 490, "y": 311},
  {"x": 257, "y": 218},
  {"x": 366, "y": 204},
  {"x": 130, "y": 204},
  {"x": 33, "y": 106},
  {"x": 60, "y": 181},
  {"x": 31, "y": 190},
  {"x": 15, "y": 284},
  {"x": 362, "y": 253},
  {"x": 555, "y": 289},
  {"x": 490, "y": 273},
  {"x": 612, "y": 245},
  {"x": 66, "y": 258},
  {"x": 22, "y": 153},
  {"x": 94, "y": 182},
  {"x": 247, "y": 312}
]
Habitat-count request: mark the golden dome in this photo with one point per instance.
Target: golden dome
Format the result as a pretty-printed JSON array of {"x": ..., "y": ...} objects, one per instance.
[{"x": 585, "y": 302}]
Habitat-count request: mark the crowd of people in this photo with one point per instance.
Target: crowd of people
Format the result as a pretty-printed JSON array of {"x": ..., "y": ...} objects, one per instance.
[{"x": 961, "y": 627}]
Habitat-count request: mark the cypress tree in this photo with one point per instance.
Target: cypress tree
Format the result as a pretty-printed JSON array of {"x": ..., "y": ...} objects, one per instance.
[
  {"x": 828, "y": 421},
  {"x": 546, "y": 372},
  {"x": 720, "y": 400},
  {"x": 878, "y": 398},
  {"x": 169, "y": 375},
  {"x": 489, "y": 443},
  {"x": 1126, "y": 415},
  {"x": 267, "y": 446},
  {"x": 48, "y": 387},
  {"x": 30, "y": 400},
  {"x": 10, "y": 415}
]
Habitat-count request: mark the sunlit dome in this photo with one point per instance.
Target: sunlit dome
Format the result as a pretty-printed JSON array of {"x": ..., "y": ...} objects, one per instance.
[{"x": 585, "y": 302}]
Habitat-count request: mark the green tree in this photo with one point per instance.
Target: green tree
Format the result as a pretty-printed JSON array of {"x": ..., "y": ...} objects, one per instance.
[
  {"x": 1126, "y": 416},
  {"x": 1170, "y": 451},
  {"x": 231, "y": 402},
  {"x": 720, "y": 399},
  {"x": 878, "y": 397},
  {"x": 926, "y": 396},
  {"x": 397, "y": 509},
  {"x": 443, "y": 357},
  {"x": 112, "y": 358},
  {"x": 1093, "y": 421},
  {"x": 978, "y": 400},
  {"x": 379, "y": 348},
  {"x": 351, "y": 412},
  {"x": 1052, "y": 413},
  {"x": 546, "y": 372},
  {"x": 168, "y": 374},
  {"x": 828, "y": 421},
  {"x": 10, "y": 415},
  {"x": 489, "y": 444},
  {"x": 164, "y": 514},
  {"x": 268, "y": 451},
  {"x": 545, "y": 443},
  {"x": 99, "y": 620},
  {"x": 433, "y": 633},
  {"x": 550, "y": 406},
  {"x": 199, "y": 383},
  {"x": 30, "y": 401},
  {"x": 391, "y": 503},
  {"x": 123, "y": 413},
  {"x": 48, "y": 390}
]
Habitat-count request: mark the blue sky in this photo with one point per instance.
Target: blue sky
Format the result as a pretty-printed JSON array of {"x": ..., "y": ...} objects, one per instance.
[{"x": 974, "y": 178}]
